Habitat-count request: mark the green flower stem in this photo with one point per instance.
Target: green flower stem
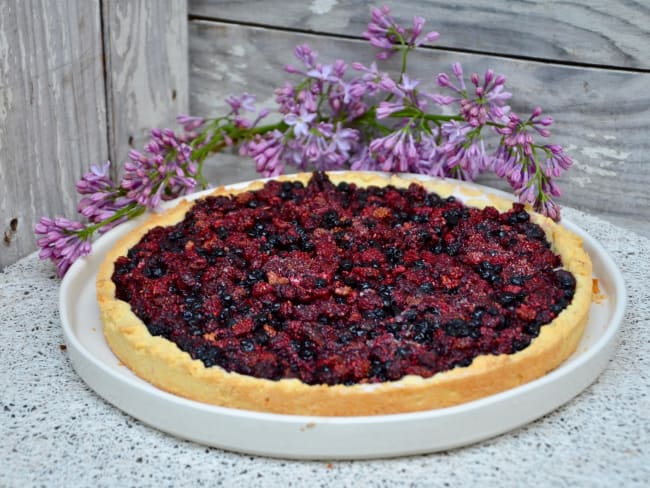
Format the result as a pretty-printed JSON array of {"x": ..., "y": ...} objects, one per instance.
[{"x": 131, "y": 211}]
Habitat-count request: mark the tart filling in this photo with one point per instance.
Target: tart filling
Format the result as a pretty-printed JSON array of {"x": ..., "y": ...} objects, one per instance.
[{"x": 314, "y": 296}]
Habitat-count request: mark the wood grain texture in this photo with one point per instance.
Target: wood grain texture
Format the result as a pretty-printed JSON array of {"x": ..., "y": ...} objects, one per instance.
[
  {"x": 146, "y": 62},
  {"x": 601, "y": 115},
  {"x": 52, "y": 112},
  {"x": 602, "y": 32}
]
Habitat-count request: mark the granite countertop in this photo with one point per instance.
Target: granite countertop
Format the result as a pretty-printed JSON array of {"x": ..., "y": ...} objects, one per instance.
[{"x": 57, "y": 432}]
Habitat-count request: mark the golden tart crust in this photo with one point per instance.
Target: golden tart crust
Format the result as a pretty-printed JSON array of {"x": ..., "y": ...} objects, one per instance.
[{"x": 163, "y": 364}]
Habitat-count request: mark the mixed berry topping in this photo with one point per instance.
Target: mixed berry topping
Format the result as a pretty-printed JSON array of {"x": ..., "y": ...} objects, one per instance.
[{"x": 337, "y": 284}]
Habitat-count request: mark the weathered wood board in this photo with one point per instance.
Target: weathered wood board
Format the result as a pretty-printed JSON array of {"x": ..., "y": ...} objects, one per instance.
[
  {"x": 599, "y": 32},
  {"x": 601, "y": 115},
  {"x": 52, "y": 112},
  {"x": 146, "y": 68}
]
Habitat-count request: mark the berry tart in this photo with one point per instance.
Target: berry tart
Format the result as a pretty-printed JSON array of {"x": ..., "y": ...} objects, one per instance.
[{"x": 344, "y": 294}]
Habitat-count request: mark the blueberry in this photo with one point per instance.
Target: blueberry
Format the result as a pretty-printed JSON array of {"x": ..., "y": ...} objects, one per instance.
[
  {"x": 453, "y": 248},
  {"x": 330, "y": 219},
  {"x": 345, "y": 265},
  {"x": 420, "y": 218},
  {"x": 424, "y": 235},
  {"x": 458, "y": 328},
  {"x": 377, "y": 370},
  {"x": 427, "y": 287},
  {"x": 208, "y": 354},
  {"x": 222, "y": 232},
  {"x": 307, "y": 246},
  {"x": 255, "y": 275},
  {"x": 154, "y": 268},
  {"x": 452, "y": 216},
  {"x": 517, "y": 215},
  {"x": 518, "y": 280},
  {"x": 461, "y": 363},
  {"x": 320, "y": 283},
  {"x": 247, "y": 345},
  {"x": 478, "y": 313},
  {"x": 376, "y": 314},
  {"x": 157, "y": 329},
  {"x": 506, "y": 298},
  {"x": 410, "y": 315},
  {"x": 531, "y": 329},
  {"x": 393, "y": 328},
  {"x": 423, "y": 331},
  {"x": 345, "y": 338},
  {"x": 565, "y": 279},
  {"x": 519, "y": 344},
  {"x": 489, "y": 272},
  {"x": 343, "y": 187},
  {"x": 419, "y": 264},
  {"x": 558, "y": 306},
  {"x": 432, "y": 200},
  {"x": 534, "y": 232},
  {"x": 394, "y": 255}
]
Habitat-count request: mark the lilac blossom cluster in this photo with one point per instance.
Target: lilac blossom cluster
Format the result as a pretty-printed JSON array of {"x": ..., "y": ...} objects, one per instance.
[
  {"x": 163, "y": 171},
  {"x": 371, "y": 120},
  {"x": 335, "y": 116}
]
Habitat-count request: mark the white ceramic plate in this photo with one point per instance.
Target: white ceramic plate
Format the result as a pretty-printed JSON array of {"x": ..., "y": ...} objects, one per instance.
[{"x": 305, "y": 437}]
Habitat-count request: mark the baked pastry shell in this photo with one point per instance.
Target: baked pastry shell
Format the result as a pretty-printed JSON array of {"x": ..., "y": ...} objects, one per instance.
[{"x": 160, "y": 361}]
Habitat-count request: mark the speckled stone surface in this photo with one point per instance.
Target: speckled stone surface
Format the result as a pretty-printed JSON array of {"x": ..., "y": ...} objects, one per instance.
[{"x": 55, "y": 431}]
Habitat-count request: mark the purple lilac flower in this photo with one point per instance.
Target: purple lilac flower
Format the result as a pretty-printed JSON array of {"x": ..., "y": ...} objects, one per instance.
[
  {"x": 145, "y": 176},
  {"x": 362, "y": 160},
  {"x": 396, "y": 151},
  {"x": 189, "y": 123},
  {"x": 384, "y": 33},
  {"x": 96, "y": 179},
  {"x": 267, "y": 152},
  {"x": 386, "y": 109},
  {"x": 372, "y": 77},
  {"x": 557, "y": 161},
  {"x": 305, "y": 54},
  {"x": 300, "y": 123},
  {"x": 325, "y": 147},
  {"x": 62, "y": 242},
  {"x": 285, "y": 98},
  {"x": 487, "y": 103},
  {"x": 550, "y": 209},
  {"x": 432, "y": 157},
  {"x": 102, "y": 198},
  {"x": 324, "y": 73},
  {"x": 343, "y": 141},
  {"x": 237, "y": 103},
  {"x": 346, "y": 99},
  {"x": 518, "y": 132}
]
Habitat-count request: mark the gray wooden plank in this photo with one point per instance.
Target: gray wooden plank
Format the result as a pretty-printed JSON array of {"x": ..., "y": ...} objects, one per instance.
[
  {"x": 602, "y": 116},
  {"x": 52, "y": 112},
  {"x": 602, "y": 32},
  {"x": 146, "y": 59}
]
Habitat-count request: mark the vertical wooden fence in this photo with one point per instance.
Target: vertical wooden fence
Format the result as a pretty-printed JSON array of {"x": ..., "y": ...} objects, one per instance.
[{"x": 81, "y": 81}]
